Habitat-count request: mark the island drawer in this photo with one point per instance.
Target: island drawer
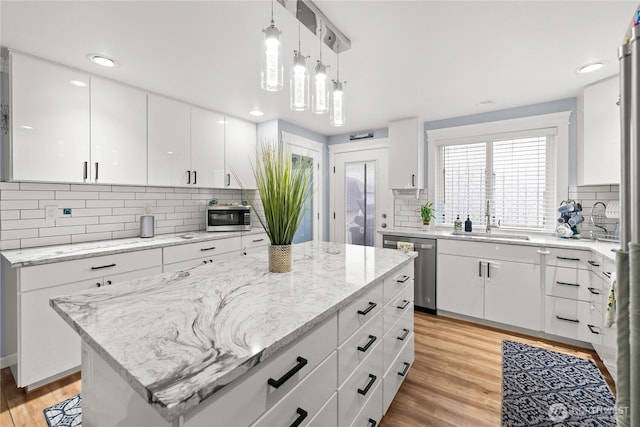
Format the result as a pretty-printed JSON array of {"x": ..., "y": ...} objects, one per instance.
[
  {"x": 245, "y": 400},
  {"x": 47, "y": 275},
  {"x": 396, "y": 374},
  {"x": 359, "y": 387},
  {"x": 358, "y": 347},
  {"x": 398, "y": 306},
  {"x": 197, "y": 250},
  {"x": 372, "y": 411},
  {"x": 396, "y": 338},
  {"x": 397, "y": 280},
  {"x": 327, "y": 415},
  {"x": 573, "y": 283},
  {"x": 352, "y": 317}
]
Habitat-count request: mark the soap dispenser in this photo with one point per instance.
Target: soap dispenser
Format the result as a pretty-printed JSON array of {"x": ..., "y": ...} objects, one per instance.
[
  {"x": 457, "y": 224},
  {"x": 467, "y": 225}
]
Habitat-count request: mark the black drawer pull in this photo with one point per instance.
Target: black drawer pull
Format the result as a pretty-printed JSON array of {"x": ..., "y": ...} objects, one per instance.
[
  {"x": 402, "y": 278},
  {"x": 593, "y": 263},
  {"x": 406, "y": 368},
  {"x": 99, "y": 284},
  {"x": 567, "y": 319},
  {"x": 277, "y": 383},
  {"x": 404, "y": 335},
  {"x": 195, "y": 177},
  {"x": 364, "y": 312},
  {"x": 568, "y": 284},
  {"x": 606, "y": 273},
  {"x": 372, "y": 339},
  {"x": 188, "y": 177},
  {"x": 404, "y": 305},
  {"x": 592, "y": 331},
  {"x": 372, "y": 422},
  {"x": 207, "y": 249},
  {"x": 364, "y": 391},
  {"x": 258, "y": 240},
  {"x": 103, "y": 266},
  {"x": 594, "y": 291},
  {"x": 568, "y": 259},
  {"x": 302, "y": 414},
  {"x": 108, "y": 282}
]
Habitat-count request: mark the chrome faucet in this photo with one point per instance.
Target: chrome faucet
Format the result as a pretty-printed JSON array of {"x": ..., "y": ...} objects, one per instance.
[{"x": 487, "y": 217}]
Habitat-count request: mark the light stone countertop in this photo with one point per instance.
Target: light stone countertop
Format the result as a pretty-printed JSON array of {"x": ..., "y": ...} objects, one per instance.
[
  {"x": 177, "y": 338},
  {"x": 50, "y": 254},
  {"x": 538, "y": 240}
]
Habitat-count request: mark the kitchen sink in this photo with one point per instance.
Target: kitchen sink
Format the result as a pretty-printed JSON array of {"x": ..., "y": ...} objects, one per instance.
[{"x": 505, "y": 236}]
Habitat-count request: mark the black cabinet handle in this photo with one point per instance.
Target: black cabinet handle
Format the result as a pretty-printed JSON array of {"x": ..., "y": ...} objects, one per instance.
[
  {"x": 488, "y": 270},
  {"x": 207, "y": 249},
  {"x": 302, "y": 414},
  {"x": 567, "y": 319},
  {"x": 85, "y": 171},
  {"x": 479, "y": 268},
  {"x": 195, "y": 177},
  {"x": 594, "y": 291},
  {"x": 364, "y": 312},
  {"x": 365, "y": 390},
  {"x": 277, "y": 383},
  {"x": 99, "y": 284},
  {"x": 592, "y": 331},
  {"x": 401, "y": 279},
  {"x": 606, "y": 273},
  {"x": 372, "y": 422},
  {"x": 228, "y": 179},
  {"x": 108, "y": 282},
  {"x": 258, "y": 240},
  {"x": 593, "y": 263},
  {"x": 404, "y": 371},
  {"x": 568, "y": 284},
  {"x": 568, "y": 259},
  {"x": 372, "y": 339},
  {"x": 103, "y": 266},
  {"x": 96, "y": 178},
  {"x": 403, "y": 306},
  {"x": 188, "y": 177},
  {"x": 404, "y": 335}
]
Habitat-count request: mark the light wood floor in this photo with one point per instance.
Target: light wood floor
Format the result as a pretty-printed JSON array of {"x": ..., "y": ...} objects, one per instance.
[{"x": 455, "y": 379}]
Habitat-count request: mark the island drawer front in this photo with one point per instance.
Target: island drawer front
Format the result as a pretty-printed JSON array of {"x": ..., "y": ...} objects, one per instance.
[
  {"x": 350, "y": 400},
  {"x": 327, "y": 415},
  {"x": 309, "y": 395},
  {"x": 573, "y": 319},
  {"x": 494, "y": 251},
  {"x": 349, "y": 320},
  {"x": 562, "y": 281},
  {"x": 255, "y": 240},
  {"x": 393, "y": 378},
  {"x": 251, "y": 396},
  {"x": 396, "y": 338},
  {"x": 365, "y": 338},
  {"x": 397, "y": 280},
  {"x": 47, "y": 275},
  {"x": 196, "y": 250},
  {"x": 372, "y": 410},
  {"x": 571, "y": 258},
  {"x": 193, "y": 263},
  {"x": 398, "y": 306}
]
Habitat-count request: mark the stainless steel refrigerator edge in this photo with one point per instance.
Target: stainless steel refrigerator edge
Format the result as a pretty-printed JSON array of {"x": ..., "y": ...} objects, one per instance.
[{"x": 424, "y": 269}]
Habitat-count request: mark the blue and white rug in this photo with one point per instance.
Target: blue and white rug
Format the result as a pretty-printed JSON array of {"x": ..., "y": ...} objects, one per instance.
[
  {"x": 546, "y": 388},
  {"x": 67, "y": 413}
]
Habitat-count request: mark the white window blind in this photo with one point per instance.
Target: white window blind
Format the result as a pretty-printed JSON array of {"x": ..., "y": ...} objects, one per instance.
[{"x": 517, "y": 175}]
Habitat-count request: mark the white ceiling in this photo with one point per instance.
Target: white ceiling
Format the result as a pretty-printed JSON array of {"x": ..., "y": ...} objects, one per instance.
[{"x": 432, "y": 59}]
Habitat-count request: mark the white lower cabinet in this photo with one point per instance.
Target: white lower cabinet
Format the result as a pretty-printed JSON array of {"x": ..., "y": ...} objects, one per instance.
[
  {"x": 396, "y": 373},
  {"x": 327, "y": 415},
  {"x": 185, "y": 257},
  {"x": 371, "y": 413},
  {"x": 460, "y": 285}
]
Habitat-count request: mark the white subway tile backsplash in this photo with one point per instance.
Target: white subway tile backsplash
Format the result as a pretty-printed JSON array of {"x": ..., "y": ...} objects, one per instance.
[
  {"x": 19, "y": 234},
  {"x": 63, "y": 222},
  {"x": 128, "y": 211},
  {"x": 90, "y": 187},
  {"x": 132, "y": 225},
  {"x": 91, "y": 212},
  {"x": 117, "y": 196},
  {"x": 42, "y": 204},
  {"x": 91, "y": 237},
  {"x": 104, "y": 227},
  {"x": 126, "y": 188},
  {"x": 9, "y": 186},
  {"x": 138, "y": 203},
  {"x": 9, "y": 244},
  {"x": 29, "y": 214},
  {"x": 178, "y": 215},
  {"x": 25, "y": 195},
  {"x": 61, "y": 231},
  {"x": 169, "y": 202},
  {"x": 112, "y": 219},
  {"x": 160, "y": 189},
  {"x": 105, "y": 203},
  {"x": 178, "y": 196},
  {"x": 43, "y": 186},
  {"x": 18, "y": 204},
  {"x": 45, "y": 241},
  {"x": 185, "y": 228},
  {"x": 22, "y": 223},
  {"x": 168, "y": 223},
  {"x": 10, "y": 215},
  {"x": 125, "y": 234},
  {"x": 165, "y": 230},
  {"x": 75, "y": 195},
  {"x": 149, "y": 196}
]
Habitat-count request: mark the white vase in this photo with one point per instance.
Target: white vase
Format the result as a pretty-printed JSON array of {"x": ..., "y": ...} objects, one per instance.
[{"x": 426, "y": 227}]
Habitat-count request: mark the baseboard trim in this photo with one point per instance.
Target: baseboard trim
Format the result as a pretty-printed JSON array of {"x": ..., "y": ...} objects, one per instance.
[{"x": 8, "y": 360}]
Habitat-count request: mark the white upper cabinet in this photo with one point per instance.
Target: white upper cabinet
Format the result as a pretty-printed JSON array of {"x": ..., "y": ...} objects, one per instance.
[
  {"x": 49, "y": 121},
  {"x": 168, "y": 152},
  {"x": 118, "y": 133},
  {"x": 240, "y": 152},
  {"x": 207, "y": 148},
  {"x": 601, "y": 155},
  {"x": 406, "y": 159}
]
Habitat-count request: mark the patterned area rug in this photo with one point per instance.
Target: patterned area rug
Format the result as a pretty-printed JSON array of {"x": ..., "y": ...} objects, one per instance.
[
  {"x": 66, "y": 413},
  {"x": 546, "y": 388}
]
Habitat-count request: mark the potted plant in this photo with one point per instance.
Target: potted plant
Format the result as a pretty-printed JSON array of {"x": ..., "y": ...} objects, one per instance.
[
  {"x": 427, "y": 212},
  {"x": 283, "y": 188}
]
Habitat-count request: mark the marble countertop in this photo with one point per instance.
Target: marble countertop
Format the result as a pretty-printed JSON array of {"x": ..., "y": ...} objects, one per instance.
[
  {"x": 50, "y": 254},
  {"x": 539, "y": 240},
  {"x": 177, "y": 338}
]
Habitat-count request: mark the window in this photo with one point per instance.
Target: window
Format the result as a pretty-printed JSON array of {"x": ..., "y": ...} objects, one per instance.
[{"x": 516, "y": 171}]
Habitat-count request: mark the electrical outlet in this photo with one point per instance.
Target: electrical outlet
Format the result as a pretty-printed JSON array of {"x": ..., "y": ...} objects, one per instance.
[
  {"x": 66, "y": 211},
  {"x": 51, "y": 212}
]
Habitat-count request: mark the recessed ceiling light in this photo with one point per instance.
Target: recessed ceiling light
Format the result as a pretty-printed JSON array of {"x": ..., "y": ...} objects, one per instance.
[
  {"x": 256, "y": 113},
  {"x": 102, "y": 60},
  {"x": 25, "y": 127},
  {"x": 78, "y": 83},
  {"x": 486, "y": 103},
  {"x": 591, "y": 67},
  {"x": 220, "y": 122}
]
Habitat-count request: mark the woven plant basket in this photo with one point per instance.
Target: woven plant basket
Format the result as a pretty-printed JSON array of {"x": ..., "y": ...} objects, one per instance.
[{"x": 280, "y": 258}]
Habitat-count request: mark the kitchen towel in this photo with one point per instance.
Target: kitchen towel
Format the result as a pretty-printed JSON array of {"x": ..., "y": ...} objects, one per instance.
[
  {"x": 610, "y": 309},
  {"x": 405, "y": 246}
]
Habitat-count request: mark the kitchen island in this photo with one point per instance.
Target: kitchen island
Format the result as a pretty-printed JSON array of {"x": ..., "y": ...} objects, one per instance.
[{"x": 232, "y": 344}]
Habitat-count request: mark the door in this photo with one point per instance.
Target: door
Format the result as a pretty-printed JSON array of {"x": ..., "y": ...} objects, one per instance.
[
  {"x": 461, "y": 285},
  {"x": 239, "y": 153},
  {"x": 362, "y": 199},
  {"x": 207, "y": 148}
]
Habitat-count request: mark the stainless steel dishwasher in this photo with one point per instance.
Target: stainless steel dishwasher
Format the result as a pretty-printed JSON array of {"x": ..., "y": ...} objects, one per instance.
[{"x": 424, "y": 269}]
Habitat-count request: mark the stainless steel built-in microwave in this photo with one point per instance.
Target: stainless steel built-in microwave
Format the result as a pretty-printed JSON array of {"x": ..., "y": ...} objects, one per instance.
[{"x": 228, "y": 218}]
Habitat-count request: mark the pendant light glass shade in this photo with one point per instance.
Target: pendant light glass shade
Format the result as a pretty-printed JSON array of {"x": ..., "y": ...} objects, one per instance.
[
  {"x": 337, "y": 116},
  {"x": 320, "y": 101},
  {"x": 299, "y": 83},
  {"x": 271, "y": 73}
]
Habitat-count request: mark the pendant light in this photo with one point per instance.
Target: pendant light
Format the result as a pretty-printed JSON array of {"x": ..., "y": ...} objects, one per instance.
[
  {"x": 299, "y": 81},
  {"x": 320, "y": 100},
  {"x": 271, "y": 62},
  {"x": 337, "y": 116}
]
